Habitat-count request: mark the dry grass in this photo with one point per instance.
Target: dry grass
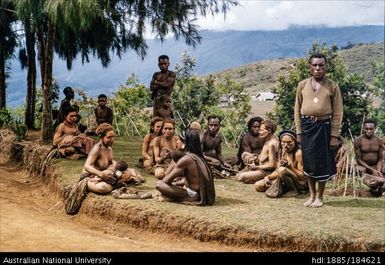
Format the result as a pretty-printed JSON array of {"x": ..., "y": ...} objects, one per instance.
[{"x": 243, "y": 216}]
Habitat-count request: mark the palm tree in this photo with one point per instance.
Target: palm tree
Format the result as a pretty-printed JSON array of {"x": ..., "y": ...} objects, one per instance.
[
  {"x": 99, "y": 27},
  {"x": 8, "y": 43}
]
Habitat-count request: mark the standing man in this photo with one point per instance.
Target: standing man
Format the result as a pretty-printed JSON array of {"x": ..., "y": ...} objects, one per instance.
[
  {"x": 162, "y": 82},
  {"x": 318, "y": 115}
]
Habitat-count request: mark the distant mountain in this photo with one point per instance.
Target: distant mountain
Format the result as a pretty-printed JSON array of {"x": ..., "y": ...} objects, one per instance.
[
  {"x": 263, "y": 75},
  {"x": 218, "y": 51}
]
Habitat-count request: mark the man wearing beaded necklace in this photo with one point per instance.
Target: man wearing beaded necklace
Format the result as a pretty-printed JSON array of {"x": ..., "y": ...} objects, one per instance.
[{"x": 318, "y": 115}]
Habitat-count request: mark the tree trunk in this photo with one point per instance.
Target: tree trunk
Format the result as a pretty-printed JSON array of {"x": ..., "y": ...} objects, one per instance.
[
  {"x": 2, "y": 82},
  {"x": 29, "y": 117},
  {"x": 46, "y": 124},
  {"x": 41, "y": 52}
]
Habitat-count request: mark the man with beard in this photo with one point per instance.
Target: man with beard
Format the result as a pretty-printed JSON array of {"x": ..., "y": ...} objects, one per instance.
[{"x": 289, "y": 170}]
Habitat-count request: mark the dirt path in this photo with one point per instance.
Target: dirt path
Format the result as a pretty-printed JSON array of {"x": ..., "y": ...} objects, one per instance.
[{"x": 31, "y": 220}]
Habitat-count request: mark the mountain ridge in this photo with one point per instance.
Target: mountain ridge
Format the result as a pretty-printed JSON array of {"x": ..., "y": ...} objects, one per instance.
[{"x": 218, "y": 51}]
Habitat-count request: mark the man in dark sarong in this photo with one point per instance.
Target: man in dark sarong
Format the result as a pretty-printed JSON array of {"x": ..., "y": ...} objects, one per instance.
[
  {"x": 199, "y": 183},
  {"x": 318, "y": 115}
]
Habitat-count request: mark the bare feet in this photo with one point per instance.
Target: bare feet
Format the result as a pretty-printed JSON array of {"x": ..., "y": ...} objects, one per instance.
[
  {"x": 317, "y": 203},
  {"x": 308, "y": 202}
]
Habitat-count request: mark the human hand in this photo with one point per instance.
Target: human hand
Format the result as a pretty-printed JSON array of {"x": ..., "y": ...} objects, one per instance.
[
  {"x": 284, "y": 163},
  {"x": 334, "y": 143},
  {"x": 226, "y": 165},
  {"x": 267, "y": 181}
]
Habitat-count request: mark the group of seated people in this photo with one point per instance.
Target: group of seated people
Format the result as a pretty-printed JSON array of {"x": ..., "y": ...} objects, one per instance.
[{"x": 185, "y": 165}]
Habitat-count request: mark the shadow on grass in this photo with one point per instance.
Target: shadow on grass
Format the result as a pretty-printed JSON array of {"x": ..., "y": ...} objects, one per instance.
[
  {"x": 367, "y": 203},
  {"x": 223, "y": 201}
]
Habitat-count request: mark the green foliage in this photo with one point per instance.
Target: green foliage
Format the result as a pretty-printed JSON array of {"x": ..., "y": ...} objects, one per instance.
[
  {"x": 55, "y": 90},
  {"x": 129, "y": 107},
  {"x": 354, "y": 91},
  {"x": 379, "y": 88},
  {"x": 195, "y": 99},
  {"x": 13, "y": 120}
]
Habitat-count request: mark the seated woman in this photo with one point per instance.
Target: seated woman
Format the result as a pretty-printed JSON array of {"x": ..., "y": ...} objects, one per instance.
[
  {"x": 198, "y": 186},
  {"x": 163, "y": 147},
  {"x": 290, "y": 167},
  {"x": 100, "y": 165},
  {"x": 68, "y": 139},
  {"x": 148, "y": 143}
]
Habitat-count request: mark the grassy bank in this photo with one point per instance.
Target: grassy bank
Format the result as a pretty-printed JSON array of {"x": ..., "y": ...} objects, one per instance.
[{"x": 242, "y": 216}]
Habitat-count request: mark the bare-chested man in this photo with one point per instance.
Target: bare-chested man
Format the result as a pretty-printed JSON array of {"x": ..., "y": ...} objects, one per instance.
[
  {"x": 212, "y": 147},
  {"x": 165, "y": 110},
  {"x": 163, "y": 147},
  {"x": 369, "y": 153},
  {"x": 251, "y": 142},
  {"x": 162, "y": 82},
  {"x": 103, "y": 114},
  {"x": 68, "y": 139},
  {"x": 267, "y": 160},
  {"x": 290, "y": 166},
  {"x": 199, "y": 183}
]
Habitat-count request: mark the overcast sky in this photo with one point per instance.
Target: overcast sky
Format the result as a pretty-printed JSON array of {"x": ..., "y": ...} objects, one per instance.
[{"x": 278, "y": 15}]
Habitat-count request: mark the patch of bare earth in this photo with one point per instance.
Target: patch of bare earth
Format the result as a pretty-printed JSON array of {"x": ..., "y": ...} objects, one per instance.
[{"x": 33, "y": 219}]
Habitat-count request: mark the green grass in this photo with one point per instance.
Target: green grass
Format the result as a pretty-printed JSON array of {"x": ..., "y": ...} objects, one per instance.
[{"x": 342, "y": 219}]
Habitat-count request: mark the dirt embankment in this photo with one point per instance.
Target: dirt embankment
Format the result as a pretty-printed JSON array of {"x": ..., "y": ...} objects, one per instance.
[{"x": 32, "y": 217}]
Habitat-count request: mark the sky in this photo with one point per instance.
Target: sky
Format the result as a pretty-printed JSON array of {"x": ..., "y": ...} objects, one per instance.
[{"x": 279, "y": 15}]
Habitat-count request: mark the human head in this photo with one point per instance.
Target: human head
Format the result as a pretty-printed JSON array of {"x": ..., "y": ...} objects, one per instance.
[
  {"x": 214, "y": 123},
  {"x": 69, "y": 92},
  {"x": 168, "y": 127},
  {"x": 163, "y": 63},
  {"x": 254, "y": 124},
  {"x": 288, "y": 141},
  {"x": 196, "y": 126},
  {"x": 166, "y": 100},
  {"x": 70, "y": 114},
  {"x": 102, "y": 100},
  {"x": 106, "y": 133},
  {"x": 369, "y": 128},
  {"x": 122, "y": 165},
  {"x": 267, "y": 128},
  {"x": 156, "y": 125},
  {"x": 317, "y": 62},
  {"x": 193, "y": 142}
]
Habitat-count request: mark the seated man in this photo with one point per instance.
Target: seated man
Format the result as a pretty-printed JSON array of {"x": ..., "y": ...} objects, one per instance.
[
  {"x": 369, "y": 155},
  {"x": 68, "y": 139},
  {"x": 290, "y": 167},
  {"x": 212, "y": 148},
  {"x": 165, "y": 110},
  {"x": 103, "y": 114},
  {"x": 267, "y": 160},
  {"x": 199, "y": 183},
  {"x": 251, "y": 142}
]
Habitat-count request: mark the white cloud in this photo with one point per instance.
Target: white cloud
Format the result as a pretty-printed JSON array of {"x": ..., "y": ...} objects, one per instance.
[{"x": 278, "y": 15}]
